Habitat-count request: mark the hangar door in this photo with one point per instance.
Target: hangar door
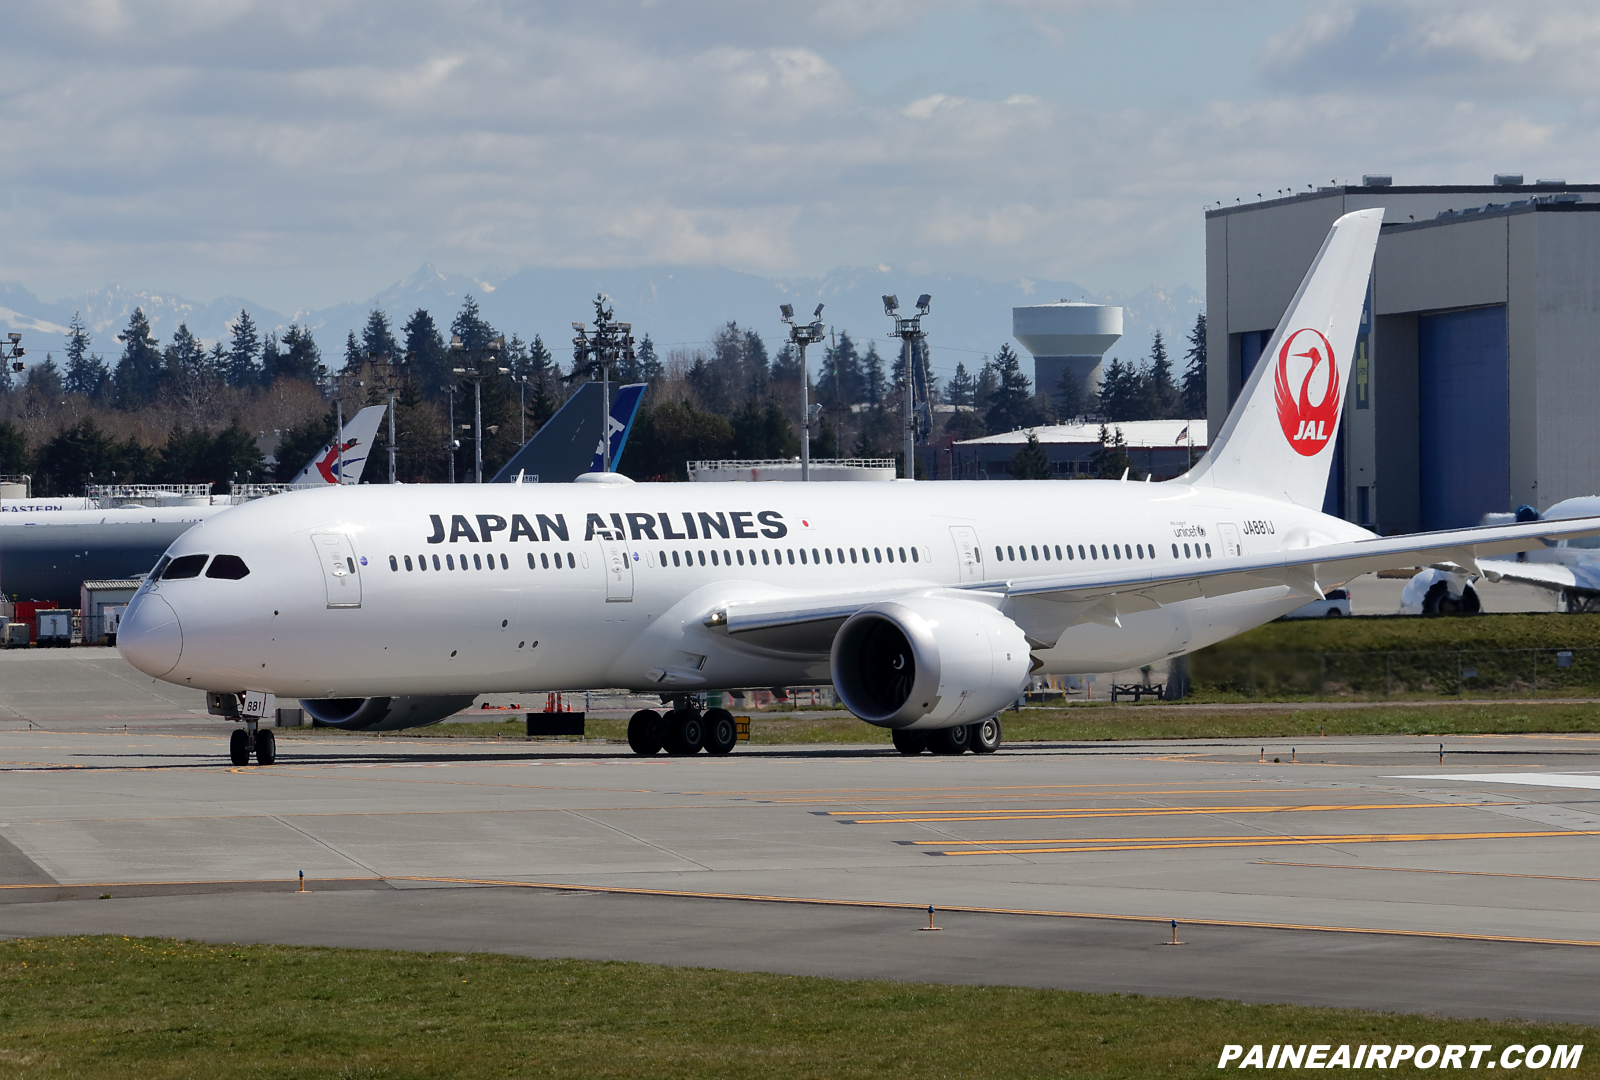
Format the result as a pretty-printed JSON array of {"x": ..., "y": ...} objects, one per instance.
[{"x": 1464, "y": 423}]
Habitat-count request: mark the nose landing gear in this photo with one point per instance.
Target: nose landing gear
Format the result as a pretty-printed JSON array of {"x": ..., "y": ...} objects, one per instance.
[{"x": 252, "y": 739}]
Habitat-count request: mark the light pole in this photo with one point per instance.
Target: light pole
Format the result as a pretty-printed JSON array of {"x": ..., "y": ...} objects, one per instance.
[
  {"x": 483, "y": 367},
  {"x": 800, "y": 337},
  {"x": 606, "y": 344},
  {"x": 908, "y": 330},
  {"x": 390, "y": 377},
  {"x": 450, "y": 442},
  {"x": 12, "y": 353}
]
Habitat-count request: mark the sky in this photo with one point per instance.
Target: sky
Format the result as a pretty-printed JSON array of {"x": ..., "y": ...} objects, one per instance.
[{"x": 304, "y": 153}]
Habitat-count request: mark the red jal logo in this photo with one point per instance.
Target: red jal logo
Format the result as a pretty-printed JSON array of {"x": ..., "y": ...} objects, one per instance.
[{"x": 1307, "y": 426}]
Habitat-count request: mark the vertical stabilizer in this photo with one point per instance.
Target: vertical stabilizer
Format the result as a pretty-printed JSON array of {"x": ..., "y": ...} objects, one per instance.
[
  {"x": 343, "y": 462},
  {"x": 1280, "y": 438}
]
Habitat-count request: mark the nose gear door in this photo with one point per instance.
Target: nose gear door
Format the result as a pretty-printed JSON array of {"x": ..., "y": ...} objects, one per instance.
[
  {"x": 618, "y": 564},
  {"x": 339, "y": 571},
  {"x": 969, "y": 554}
]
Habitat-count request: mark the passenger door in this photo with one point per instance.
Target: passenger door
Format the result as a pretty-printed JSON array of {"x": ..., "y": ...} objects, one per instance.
[
  {"x": 1230, "y": 540},
  {"x": 969, "y": 553},
  {"x": 618, "y": 564},
  {"x": 340, "y": 575}
]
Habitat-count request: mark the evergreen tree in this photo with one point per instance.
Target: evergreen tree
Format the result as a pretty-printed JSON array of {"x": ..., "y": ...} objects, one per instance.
[
  {"x": 86, "y": 374},
  {"x": 137, "y": 378},
  {"x": 244, "y": 352},
  {"x": 420, "y": 455},
  {"x": 544, "y": 378},
  {"x": 1031, "y": 462},
  {"x": 1069, "y": 396},
  {"x": 472, "y": 328},
  {"x": 841, "y": 382},
  {"x": 786, "y": 367},
  {"x": 1194, "y": 375},
  {"x": 872, "y": 369},
  {"x": 354, "y": 354},
  {"x": 13, "y": 449},
  {"x": 426, "y": 360},
  {"x": 1010, "y": 405},
  {"x": 217, "y": 364},
  {"x": 378, "y": 338},
  {"x": 959, "y": 390},
  {"x": 667, "y": 437},
  {"x": 1161, "y": 392},
  {"x": 763, "y": 432},
  {"x": 298, "y": 358},
  {"x": 984, "y": 386},
  {"x": 271, "y": 354},
  {"x": 187, "y": 368},
  {"x": 650, "y": 369},
  {"x": 44, "y": 379},
  {"x": 83, "y": 454},
  {"x": 1111, "y": 460},
  {"x": 1122, "y": 392}
]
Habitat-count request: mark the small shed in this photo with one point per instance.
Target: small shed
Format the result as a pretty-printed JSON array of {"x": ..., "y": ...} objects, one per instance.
[{"x": 101, "y": 604}]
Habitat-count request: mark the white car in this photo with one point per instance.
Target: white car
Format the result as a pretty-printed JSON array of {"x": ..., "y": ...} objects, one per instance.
[{"x": 1334, "y": 604}]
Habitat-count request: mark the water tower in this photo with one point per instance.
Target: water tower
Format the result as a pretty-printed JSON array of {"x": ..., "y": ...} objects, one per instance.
[{"x": 1069, "y": 338}]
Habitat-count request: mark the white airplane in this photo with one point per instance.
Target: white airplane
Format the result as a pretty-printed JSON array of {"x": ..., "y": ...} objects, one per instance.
[
  {"x": 926, "y": 605},
  {"x": 1570, "y": 568}
]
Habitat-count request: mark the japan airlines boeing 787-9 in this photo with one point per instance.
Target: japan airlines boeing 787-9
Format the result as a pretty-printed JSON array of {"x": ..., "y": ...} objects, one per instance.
[{"x": 926, "y": 605}]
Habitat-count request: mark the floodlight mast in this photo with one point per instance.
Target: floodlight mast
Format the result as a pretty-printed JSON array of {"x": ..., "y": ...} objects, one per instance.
[
  {"x": 12, "y": 353},
  {"x": 909, "y": 331},
  {"x": 801, "y": 336},
  {"x": 486, "y": 366}
]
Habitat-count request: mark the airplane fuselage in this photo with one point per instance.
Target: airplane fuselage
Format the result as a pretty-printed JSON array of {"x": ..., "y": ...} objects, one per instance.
[{"x": 472, "y": 589}]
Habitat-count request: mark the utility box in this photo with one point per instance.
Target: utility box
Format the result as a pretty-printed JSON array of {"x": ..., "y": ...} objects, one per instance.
[
  {"x": 555, "y": 723},
  {"x": 55, "y": 626},
  {"x": 14, "y": 635},
  {"x": 289, "y": 718}
]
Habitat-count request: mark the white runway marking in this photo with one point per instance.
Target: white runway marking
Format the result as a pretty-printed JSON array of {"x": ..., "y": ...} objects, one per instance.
[{"x": 1564, "y": 780}]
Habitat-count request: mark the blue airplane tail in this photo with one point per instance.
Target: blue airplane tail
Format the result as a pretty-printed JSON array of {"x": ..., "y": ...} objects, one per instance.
[{"x": 569, "y": 443}]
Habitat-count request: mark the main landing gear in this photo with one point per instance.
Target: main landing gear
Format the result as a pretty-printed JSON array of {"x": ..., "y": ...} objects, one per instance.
[
  {"x": 252, "y": 739},
  {"x": 981, "y": 738},
  {"x": 683, "y": 731}
]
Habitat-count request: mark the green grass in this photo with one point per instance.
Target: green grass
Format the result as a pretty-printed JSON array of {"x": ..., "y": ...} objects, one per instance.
[
  {"x": 1382, "y": 633},
  {"x": 108, "y": 1006}
]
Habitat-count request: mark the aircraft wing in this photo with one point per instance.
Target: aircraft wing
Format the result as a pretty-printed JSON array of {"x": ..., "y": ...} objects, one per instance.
[
  {"x": 807, "y": 622},
  {"x": 1550, "y": 575}
]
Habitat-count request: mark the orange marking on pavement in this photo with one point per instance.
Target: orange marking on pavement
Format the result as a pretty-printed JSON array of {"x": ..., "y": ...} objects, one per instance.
[{"x": 1164, "y": 843}]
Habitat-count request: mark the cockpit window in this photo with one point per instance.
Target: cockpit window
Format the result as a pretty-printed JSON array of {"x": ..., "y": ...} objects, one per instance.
[
  {"x": 184, "y": 566},
  {"x": 230, "y": 567},
  {"x": 161, "y": 564}
]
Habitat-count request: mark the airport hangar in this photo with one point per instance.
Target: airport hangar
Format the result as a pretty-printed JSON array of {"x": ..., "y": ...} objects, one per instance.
[{"x": 1476, "y": 384}]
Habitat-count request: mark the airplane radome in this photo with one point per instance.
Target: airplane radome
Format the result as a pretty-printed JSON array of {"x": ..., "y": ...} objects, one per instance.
[{"x": 926, "y": 605}]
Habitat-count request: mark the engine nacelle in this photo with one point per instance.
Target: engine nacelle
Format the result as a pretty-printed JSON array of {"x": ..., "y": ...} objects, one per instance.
[
  {"x": 929, "y": 662},
  {"x": 384, "y": 713}
]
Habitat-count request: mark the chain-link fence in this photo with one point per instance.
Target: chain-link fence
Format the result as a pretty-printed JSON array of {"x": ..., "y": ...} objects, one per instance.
[{"x": 1368, "y": 676}]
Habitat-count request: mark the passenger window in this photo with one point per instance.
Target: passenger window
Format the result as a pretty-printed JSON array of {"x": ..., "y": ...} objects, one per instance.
[
  {"x": 997, "y": 554},
  {"x": 1174, "y": 551},
  {"x": 741, "y": 558},
  {"x": 829, "y": 553},
  {"x": 232, "y": 568},
  {"x": 1093, "y": 554},
  {"x": 1080, "y": 551},
  {"x": 1105, "y": 552},
  {"x": 477, "y": 561},
  {"x": 505, "y": 564},
  {"x": 1208, "y": 551},
  {"x": 702, "y": 558},
  {"x": 1116, "y": 549},
  {"x": 184, "y": 566},
  {"x": 1069, "y": 553},
  {"x": 1058, "y": 552},
  {"x": 408, "y": 563},
  {"x": 764, "y": 560},
  {"x": 841, "y": 556},
  {"x": 1035, "y": 550},
  {"x": 852, "y": 555},
  {"x": 544, "y": 561},
  {"x": 531, "y": 564},
  {"x": 1186, "y": 551},
  {"x": 394, "y": 564},
  {"x": 572, "y": 561},
  {"x": 436, "y": 562},
  {"x": 713, "y": 556},
  {"x": 914, "y": 557},
  {"x": 1047, "y": 553},
  {"x": 450, "y": 562},
  {"x": 675, "y": 559},
  {"x": 1011, "y": 553},
  {"x": 878, "y": 555},
  {"x": 791, "y": 556}
]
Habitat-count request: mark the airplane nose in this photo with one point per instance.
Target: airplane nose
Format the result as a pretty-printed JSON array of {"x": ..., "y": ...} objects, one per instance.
[{"x": 149, "y": 636}]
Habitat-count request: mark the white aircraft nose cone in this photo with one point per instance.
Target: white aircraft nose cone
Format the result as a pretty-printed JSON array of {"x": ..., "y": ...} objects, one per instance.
[{"x": 149, "y": 636}]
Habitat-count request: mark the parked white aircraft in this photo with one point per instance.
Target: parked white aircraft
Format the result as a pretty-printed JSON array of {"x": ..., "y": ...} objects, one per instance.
[
  {"x": 1569, "y": 568},
  {"x": 926, "y": 605}
]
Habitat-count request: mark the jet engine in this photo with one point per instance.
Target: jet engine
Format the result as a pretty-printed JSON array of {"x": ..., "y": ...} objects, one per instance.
[
  {"x": 384, "y": 713},
  {"x": 928, "y": 662}
]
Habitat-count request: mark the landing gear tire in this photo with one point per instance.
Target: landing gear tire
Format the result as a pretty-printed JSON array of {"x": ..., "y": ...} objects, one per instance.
[
  {"x": 984, "y": 735},
  {"x": 950, "y": 741},
  {"x": 266, "y": 747},
  {"x": 685, "y": 732},
  {"x": 239, "y": 747},
  {"x": 910, "y": 743},
  {"x": 644, "y": 732},
  {"x": 722, "y": 733}
]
